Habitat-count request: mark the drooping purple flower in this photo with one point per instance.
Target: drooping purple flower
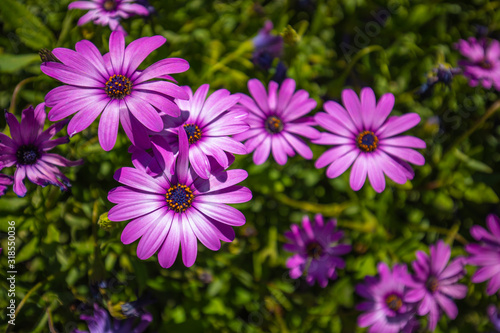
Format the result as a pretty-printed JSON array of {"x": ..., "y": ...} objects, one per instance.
[
  {"x": 28, "y": 150},
  {"x": 317, "y": 250},
  {"x": 102, "y": 322},
  {"x": 111, "y": 86},
  {"x": 277, "y": 120},
  {"x": 365, "y": 138},
  {"x": 5, "y": 182},
  {"x": 386, "y": 310},
  {"x": 434, "y": 284},
  {"x": 494, "y": 316},
  {"x": 486, "y": 253},
  {"x": 267, "y": 47},
  {"x": 208, "y": 122},
  {"x": 483, "y": 63},
  {"x": 108, "y": 12},
  {"x": 178, "y": 208}
]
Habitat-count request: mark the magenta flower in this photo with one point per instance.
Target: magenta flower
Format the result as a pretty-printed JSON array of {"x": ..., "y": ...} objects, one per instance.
[
  {"x": 386, "y": 310},
  {"x": 434, "y": 284},
  {"x": 28, "y": 151},
  {"x": 276, "y": 121},
  {"x": 208, "y": 122},
  {"x": 483, "y": 63},
  {"x": 101, "y": 322},
  {"x": 316, "y": 249},
  {"x": 486, "y": 254},
  {"x": 113, "y": 86},
  {"x": 178, "y": 209},
  {"x": 108, "y": 12},
  {"x": 5, "y": 181},
  {"x": 362, "y": 136}
]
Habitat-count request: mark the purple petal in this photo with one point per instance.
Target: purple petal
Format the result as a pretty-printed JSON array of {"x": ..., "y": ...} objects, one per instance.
[
  {"x": 170, "y": 247},
  {"x": 138, "y": 50},
  {"x": 117, "y": 51},
  {"x": 188, "y": 242}
]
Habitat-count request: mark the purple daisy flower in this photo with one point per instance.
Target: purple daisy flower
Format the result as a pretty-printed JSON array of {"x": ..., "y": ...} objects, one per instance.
[
  {"x": 178, "y": 208},
  {"x": 494, "y": 316},
  {"x": 434, "y": 284},
  {"x": 108, "y": 12},
  {"x": 483, "y": 63},
  {"x": 28, "y": 151},
  {"x": 386, "y": 310},
  {"x": 317, "y": 250},
  {"x": 102, "y": 322},
  {"x": 486, "y": 254},
  {"x": 113, "y": 86},
  {"x": 208, "y": 122},
  {"x": 5, "y": 181},
  {"x": 276, "y": 121},
  {"x": 362, "y": 136},
  {"x": 267, "y": 47}
]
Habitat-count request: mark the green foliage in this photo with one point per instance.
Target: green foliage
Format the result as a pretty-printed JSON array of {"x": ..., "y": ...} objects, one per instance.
[{"x": 245, "y": 287}]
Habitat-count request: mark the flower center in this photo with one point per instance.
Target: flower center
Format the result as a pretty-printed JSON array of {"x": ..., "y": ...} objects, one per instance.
[
  {"x": 394, "y": 302},
  {"x": 485, "y": 63},
  {"x": 432, "y": 284},
  {"x": 367, "y": 141},
  {"x": 118, "y": 86},
  {"x": 179, "y": 198},
  {"x": 109, "y": 5},
  {"x": 274, "y": 125},
  {"x": 27, "y": 155},
  {"x": 193, "y": 132},
  {"x": 314, "y": 250}
]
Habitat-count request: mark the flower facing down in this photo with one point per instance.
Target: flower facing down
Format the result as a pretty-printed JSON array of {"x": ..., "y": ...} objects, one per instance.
[
  {"x": 486, "y": 253},
  {"x": 316, "y": 249},
  {"x": 111, "y": 86},
  {"x": 267, "y": 47},
  {"x": 102, "y": 322},
  {"x": 178, "y": 208},
  {"x": 434, "y": 284},
  {"x": 365, "y": 138},
  {"x": 208, "y": 122},
  {"x": 385, "y": 309},
  {"x": 494, "y": 316},
  {"x": 483, "y": 63},
  {"x": 276, "y": 121},
  {"x": 28, "y": 150},
  {"x": 108, "y": 12}
]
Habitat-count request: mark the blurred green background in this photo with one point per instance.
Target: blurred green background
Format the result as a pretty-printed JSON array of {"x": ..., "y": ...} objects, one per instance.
[{"x": 245, "y": 286}]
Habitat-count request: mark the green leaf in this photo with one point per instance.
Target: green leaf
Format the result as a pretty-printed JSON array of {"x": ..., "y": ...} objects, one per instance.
[
  {"x": 27, "y": 251},
  {"x": 10, "y": 63},
  {"x": 28, "y": 27},
  {"x": 481, "y": 193}
]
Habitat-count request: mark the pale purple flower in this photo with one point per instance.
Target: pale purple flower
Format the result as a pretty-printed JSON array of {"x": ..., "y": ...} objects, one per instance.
[
  {"x": 385, "y": 310},
  {"x": 28, "y": 151},
  {"x": 267, "y": 47},
  {"x": 277, "y": 120},
  {"x": 486, "y": 254},
  {"x": 5, "y": 181},
  {"x": 494, "y": 316},
  {"x": 108, "y": 12},
  {"x": 101, "y": 322},
  {"x": 179, "y": 208},
  {"x": 317, "y": 250},
  {"x": 483, "y": 63},
  {"x": 434, "y": 284},
  {"x": 365, "y": 138},
  {"x": 111, "y": 86},
  {"x": 208, "y": 122}
]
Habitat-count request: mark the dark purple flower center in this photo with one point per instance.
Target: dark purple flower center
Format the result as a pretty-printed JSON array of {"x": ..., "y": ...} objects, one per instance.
[
  {"x": 274, "y": 125},
  {"x": 118, "y": 86},
  {"x": 314, "y": 250},
  {"x": 432, "y": 284},
  {"x": 27, "y": 155},
  {"x": 179, "y": 198},
  {"x": 193, "y": 132},
  {"x": 485, "y": 63},
  {"x": 109, "y": 5},
  {"x": 394, "y": 302},
  {"x": 367, "y": 141}
]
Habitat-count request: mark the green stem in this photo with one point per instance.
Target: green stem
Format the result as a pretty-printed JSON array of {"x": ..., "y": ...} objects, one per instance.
[
  {"x": 331, "y": 210},
  {"x": 452, "y": 234},
  {"x": 12, "y": 107}
]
